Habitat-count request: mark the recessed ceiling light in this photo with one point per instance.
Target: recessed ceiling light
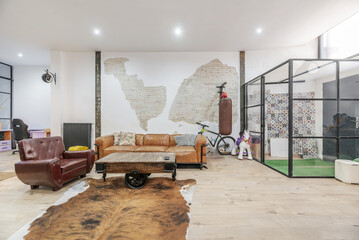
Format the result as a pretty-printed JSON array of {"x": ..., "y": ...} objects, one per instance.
[
  {"x": 96, "y": 31},
  {"x": 20, "y": 55},
  {"x": 259, "y": 30},
  {"x": 178, "y": 31}
]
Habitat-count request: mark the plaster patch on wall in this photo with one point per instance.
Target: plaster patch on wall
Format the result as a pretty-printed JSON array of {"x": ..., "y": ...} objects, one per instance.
[
  {"x": 147, "y": 102},
  {"x": 197, "y": 98}
]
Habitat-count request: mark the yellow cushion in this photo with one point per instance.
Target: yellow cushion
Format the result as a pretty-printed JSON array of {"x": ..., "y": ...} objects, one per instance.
[{"x": 78, "y": 148}]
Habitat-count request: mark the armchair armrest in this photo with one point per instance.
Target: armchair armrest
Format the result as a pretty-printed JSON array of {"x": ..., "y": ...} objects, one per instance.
[
  {"x": 88, "y": 154},
  {"x": 40, "y": 172},
  {"x": 104, "y": 142},
  {"x": 201, "y": 148}
]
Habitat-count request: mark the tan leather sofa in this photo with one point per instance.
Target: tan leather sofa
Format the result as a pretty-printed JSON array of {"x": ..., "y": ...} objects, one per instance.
[{"x": 157, "y": 143}]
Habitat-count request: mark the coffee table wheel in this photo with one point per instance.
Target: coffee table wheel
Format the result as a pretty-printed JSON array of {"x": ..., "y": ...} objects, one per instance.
[{"x": 136, "y": 180}]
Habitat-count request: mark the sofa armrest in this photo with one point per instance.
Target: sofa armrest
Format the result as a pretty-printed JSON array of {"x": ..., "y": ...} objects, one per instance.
[
  {"x": 104, "y": 142},
  {"x": 201, "y": 147},
  {"x": 40, "y": 172},
  {"x": 88, "y": 154}
]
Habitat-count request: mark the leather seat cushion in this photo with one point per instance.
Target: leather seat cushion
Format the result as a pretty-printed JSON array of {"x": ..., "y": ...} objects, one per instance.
[
  {"x": 184, "y": 154},
  {"x": 114, "y": 149},
  {"x": 68, "y": 165},
  {"x": 151, "y": 149}
]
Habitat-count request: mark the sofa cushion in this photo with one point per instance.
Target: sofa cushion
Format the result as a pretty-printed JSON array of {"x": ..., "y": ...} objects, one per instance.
[
  {"x": 185, "y": 140},
  {"x": 124, "y": 139},
  {"x": 184, "y": 154},
  {"x": 68, "y": 165},
  {"x": 139, "y": 139},
  {"x": 156, "y": 140},
  {"x": 173, "y": 140},
  {"x": 114, "y": 149},
  {"x": 151, "y": 149}
]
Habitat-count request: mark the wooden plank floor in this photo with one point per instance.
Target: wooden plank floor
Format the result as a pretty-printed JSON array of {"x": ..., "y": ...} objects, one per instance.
[{"x": 233, "y": 199}]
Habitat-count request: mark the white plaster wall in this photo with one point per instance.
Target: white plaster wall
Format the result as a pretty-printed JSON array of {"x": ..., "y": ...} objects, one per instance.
[
  {"x": 57, "y": 93},
  {"x": 260, "y": 61},
  {"x": 166, "y": 69},
  {"x": 73, "y": 96},
  {"x": 31, "y": 99},
  {"x": 79, "y": 75},
  {"x": 342, "y": 40}
]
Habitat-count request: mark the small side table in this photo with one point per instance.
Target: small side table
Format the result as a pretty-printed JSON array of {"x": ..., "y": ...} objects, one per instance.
[
  {"x": 40, "y": 133},
  {"x": 5, "y": 140}
]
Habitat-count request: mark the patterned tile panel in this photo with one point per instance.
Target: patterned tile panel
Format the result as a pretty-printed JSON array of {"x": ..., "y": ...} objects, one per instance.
[{"x": 276, "y": 119}]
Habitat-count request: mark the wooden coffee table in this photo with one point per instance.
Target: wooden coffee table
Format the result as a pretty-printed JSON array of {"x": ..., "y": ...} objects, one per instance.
[{"x": 137, "y": 166}]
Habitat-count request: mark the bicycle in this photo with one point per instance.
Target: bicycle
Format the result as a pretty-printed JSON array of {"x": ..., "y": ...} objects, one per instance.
[{"x": 225, "y": 143}]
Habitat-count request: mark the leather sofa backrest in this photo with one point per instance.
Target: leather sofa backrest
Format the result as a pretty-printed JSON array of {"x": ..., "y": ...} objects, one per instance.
[
  {"x": 156, "y": 140},
  {"x": 173, "y": 140},
  {"x": 139, "y": 139},
  {"x": 41, "y": 148}
]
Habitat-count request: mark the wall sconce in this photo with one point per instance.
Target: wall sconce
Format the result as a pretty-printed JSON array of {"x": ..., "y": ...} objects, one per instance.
[{"x": 48, "y": 77}]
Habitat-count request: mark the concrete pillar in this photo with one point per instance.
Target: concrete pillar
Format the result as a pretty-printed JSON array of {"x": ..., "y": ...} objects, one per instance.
[{"x": 242, "y": 81}]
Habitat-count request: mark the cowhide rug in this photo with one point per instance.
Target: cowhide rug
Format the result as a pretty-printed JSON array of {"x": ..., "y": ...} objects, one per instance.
[{"x": 110, "y": 210}]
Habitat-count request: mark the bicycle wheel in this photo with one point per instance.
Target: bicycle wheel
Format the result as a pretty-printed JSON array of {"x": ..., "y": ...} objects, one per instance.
[{"x": 225, "y": 145}]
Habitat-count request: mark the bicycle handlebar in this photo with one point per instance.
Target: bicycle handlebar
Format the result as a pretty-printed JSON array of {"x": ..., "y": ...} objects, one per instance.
[
  {"x": 222, "y": 85},
  {"x": 203, "y": 125}
]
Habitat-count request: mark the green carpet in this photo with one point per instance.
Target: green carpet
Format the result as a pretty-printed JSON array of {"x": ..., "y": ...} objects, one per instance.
[{"x": 304, "y": 167}]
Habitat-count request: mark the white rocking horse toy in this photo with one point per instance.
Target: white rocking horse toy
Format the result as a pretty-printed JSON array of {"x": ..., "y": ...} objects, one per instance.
[{"x": 243, "y": 143}]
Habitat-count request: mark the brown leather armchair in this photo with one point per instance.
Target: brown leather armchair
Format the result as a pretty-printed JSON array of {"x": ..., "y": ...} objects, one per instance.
[{"x": 44, "y": 162}]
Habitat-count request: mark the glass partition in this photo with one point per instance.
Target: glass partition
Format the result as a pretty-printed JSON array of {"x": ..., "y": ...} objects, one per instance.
[
  {"x": 256, "y": 146},
  {"x": 253, "y": 113},
  {"x": 309, "y": 159},
  {"x": 349, "y": 80},
  {"x": 5, "y": 85},
  {"x": 348, "y": 113},
  {"x": 5, "y": 71},
  {"x": 254, "y": 93},
  {"x": 304, "y": 114},
  {"x": 348, "y": 118},
  {"x": 276, "y": 107},
  {"x": 310, "y": 78},
  {"x": 5, "y": 105}
]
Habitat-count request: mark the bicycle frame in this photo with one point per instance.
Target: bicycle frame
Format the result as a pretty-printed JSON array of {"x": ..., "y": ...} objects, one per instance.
[{"x": 209, "y": 140}]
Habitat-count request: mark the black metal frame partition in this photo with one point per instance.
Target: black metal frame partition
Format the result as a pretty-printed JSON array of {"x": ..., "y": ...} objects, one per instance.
[
  {"x": 261, "y": 81},
  {"x": 2, "y": 91}
]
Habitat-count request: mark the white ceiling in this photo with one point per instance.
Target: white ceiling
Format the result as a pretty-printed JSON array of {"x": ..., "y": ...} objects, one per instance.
[{"x": 34, "y": 27}]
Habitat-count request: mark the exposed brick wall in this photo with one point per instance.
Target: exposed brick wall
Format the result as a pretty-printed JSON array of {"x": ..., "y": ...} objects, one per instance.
[{"x": 197, "y": 98}]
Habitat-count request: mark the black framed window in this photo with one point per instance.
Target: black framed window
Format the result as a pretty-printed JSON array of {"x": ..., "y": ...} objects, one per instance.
[{"x": 6, "y": 84}]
